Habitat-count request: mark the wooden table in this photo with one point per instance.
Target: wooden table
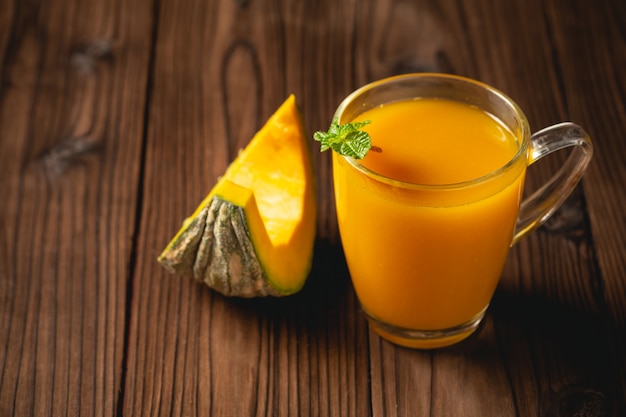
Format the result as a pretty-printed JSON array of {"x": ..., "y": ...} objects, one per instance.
[{"x": 117, "y": 117}]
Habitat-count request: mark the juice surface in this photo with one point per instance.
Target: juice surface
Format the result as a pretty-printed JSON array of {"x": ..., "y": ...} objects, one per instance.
[
  {"x": 429, "y": 141},
  {"x": 429, "y": 260}
]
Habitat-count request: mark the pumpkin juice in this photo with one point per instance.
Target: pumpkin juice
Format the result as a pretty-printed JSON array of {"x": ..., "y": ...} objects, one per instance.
[{"x": 440, "y": 238}]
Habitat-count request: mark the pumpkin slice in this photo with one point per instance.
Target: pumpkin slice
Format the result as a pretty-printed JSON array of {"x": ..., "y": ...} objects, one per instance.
[{"x": 253, "y": 234}]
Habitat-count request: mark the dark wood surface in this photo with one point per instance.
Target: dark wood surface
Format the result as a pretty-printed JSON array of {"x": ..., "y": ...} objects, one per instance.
[{"x": 117, "y": 117}]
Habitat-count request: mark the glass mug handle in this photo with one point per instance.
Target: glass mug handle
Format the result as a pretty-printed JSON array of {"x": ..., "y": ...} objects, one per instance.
[{"x": 539, "y": 206}]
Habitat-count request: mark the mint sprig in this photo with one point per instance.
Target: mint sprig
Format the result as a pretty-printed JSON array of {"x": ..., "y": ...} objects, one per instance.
[{"x": 346, "y": 139}]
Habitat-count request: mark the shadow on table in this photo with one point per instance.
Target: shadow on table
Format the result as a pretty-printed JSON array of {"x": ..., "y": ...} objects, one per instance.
[
  {"x": 569, "y": 353},
  {"x": 322, "y": 293}
]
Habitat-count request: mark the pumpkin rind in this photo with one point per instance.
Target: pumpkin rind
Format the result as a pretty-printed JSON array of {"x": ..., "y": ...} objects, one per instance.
[{"x": 226, "y": 245}]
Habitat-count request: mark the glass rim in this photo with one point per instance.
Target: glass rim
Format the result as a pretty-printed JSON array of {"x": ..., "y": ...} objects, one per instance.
[{"x": 521, "y": 151}]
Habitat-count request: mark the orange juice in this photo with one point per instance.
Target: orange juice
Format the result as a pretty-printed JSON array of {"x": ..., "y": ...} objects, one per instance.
[{"x": 428, "y": 255}]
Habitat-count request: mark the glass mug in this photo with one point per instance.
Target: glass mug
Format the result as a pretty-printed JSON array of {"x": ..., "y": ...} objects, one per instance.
[{"x": 425, "y": 259}]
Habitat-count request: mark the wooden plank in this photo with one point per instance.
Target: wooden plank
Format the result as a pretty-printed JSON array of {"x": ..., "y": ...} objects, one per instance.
[
  {"x": 71, "y": 116},
  {"x": 192, "y": 351},
  {"x": 595, "y": 83}
]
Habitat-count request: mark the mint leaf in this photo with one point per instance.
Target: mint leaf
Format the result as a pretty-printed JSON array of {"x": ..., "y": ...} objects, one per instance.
[
  {"x": 346, "y": 139},
  {"x": 356, "y": 144}
]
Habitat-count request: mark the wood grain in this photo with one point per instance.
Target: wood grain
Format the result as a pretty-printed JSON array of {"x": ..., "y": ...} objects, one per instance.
[
  {"x": 597, "y": 83},
  {"x": 116, "y": 118},
  {"x": 72, "y": 104}
]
